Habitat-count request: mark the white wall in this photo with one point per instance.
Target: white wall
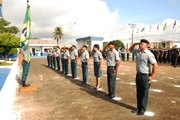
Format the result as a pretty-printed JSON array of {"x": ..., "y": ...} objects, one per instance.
[{"x": 177, "y": 43}]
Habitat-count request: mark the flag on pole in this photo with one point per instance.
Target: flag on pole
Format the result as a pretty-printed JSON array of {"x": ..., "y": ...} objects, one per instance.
[
  {"x": 142, "y": 30},
  {"x": 150, "y": 29},
  {"x": 26, "y": 31},
  {"x": 164, "y": 28},
  {"x": 26, "y": 34},
  {"x": 157, "y": 27},
  {"x": 174, "y": 24}
]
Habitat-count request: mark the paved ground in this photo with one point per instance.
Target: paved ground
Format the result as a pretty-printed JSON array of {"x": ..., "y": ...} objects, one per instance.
[{"x": 61, "y": 98}]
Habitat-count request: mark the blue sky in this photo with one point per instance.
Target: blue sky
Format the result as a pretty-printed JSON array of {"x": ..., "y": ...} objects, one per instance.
[{"x": 145, "y": 11}]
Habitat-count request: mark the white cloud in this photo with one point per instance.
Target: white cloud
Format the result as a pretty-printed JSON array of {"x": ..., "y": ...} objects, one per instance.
[{"x": 80, "y": 18}]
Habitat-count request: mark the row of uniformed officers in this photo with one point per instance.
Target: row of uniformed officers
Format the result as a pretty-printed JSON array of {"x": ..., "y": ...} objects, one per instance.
[
  {"x": 58, "y": 59},
  {"x": 144, "y": 59},
  {"x": 169, "y": 55}
]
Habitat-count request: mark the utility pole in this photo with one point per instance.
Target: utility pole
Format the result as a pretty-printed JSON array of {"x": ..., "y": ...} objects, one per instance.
[{"x": 132, "y": 26}]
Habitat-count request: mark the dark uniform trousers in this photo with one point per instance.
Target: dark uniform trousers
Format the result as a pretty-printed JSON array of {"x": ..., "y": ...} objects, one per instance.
[
  {"x": 74, "y": 68},
  {"x": 142, "y": 88},
  {"x": 25, "y": 66},
  {"x": 85, "y": 72},
  {"x": 62, "y": 62},
  {"x": 65, "y": 66},
  {"x": 48, "y": 60},
  {"x": 111, "y": 79},
  {"x": 51, "y": 61},
  {"x": 54, "y": 62},
  {"x": 57, "y": 61}
]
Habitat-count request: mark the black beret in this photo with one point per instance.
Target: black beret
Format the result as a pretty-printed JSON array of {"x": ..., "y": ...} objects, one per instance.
[
  {"x": 74, "y": 46},
  {"x": 96, "y": 46},
  {"x": 144, "y": 41},
  {"x": 85, "y": 46}
]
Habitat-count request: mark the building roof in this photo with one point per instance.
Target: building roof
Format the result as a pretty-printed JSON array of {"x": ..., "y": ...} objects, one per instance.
[
  {"x": 90, "y": 38},
  {"x": 34, "y": 42}
]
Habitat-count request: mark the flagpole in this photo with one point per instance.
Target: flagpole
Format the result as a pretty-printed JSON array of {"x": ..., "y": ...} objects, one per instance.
[
  {"x": 28, "y": 4},
  {"x": 132, "y": 26}
]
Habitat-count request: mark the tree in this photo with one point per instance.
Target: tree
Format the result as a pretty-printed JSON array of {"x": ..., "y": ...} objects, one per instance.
[
  {"x": 7, "y": 42},
  {"x": 119, "y": 44},
  {"x": 58, "y": 34},
  {"x": 4, "y": 27},
  {"x": 8, "y": 39},
  {"x": 105, "y": 44}
]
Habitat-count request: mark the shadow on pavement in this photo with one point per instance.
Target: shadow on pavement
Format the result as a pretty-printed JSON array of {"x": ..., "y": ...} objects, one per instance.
[{"x": 92, "y": 91}]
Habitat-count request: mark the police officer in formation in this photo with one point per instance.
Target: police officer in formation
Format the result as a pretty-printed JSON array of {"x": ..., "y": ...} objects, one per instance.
[
  {"x": 144, "y": 60},
  {"x": 74, "y": 60},
  {"x": 113, "y": 62},
  {"x": 62, "y": 59},
  {"x": 48, "y": 57},
  {"x": 84, "y": 63},
  {"x": 169, "y": 55},
  {"x": 58, "y": 57},
  {"x": 66, "y": 60},
  {"x": 97, "y": 60}
]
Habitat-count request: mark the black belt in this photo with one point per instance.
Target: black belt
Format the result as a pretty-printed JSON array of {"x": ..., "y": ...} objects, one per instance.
[
  {"x": 142, "y": 73},
  {"x": 84, "y": 63},
  {"x": 111, "y": 66}
]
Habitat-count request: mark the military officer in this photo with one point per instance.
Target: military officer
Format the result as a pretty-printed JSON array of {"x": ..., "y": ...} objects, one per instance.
[
  {"x": 66, "y": 60},
  {"x": 74, "y": 58},
  {"x": 25, "y": 63},
  {"x": 113, "y": 62},
  {"x": 84, "y": 63},
  {"x": 144, "y": 59},
  {"x": 97, "y": 59}
]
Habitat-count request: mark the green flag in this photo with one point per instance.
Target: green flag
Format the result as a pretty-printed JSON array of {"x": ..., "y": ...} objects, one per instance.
[
  {"x": 164, "y": 28},
  {"x": 143, "y": 29}
]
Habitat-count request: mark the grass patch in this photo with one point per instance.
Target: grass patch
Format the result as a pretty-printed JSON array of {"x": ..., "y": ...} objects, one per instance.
[{"x": 5, "y": 64}]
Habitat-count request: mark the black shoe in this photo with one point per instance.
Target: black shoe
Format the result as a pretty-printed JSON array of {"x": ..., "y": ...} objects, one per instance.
[
  {"x": 110, "y": 96},
  {"x": 134, "y": 111},
  {"x": 107, "y": 95},
  {"x": 140, "y": 113},
  {"x": 25, "y": 85}
]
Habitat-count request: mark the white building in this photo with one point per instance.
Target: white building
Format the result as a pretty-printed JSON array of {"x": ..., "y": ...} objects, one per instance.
[
  {"x": 90, "y": 41},
  {"x": 39, "y": 47}
]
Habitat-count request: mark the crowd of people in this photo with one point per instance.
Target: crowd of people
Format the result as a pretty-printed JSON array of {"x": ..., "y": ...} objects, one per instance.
[{"x": 167, "y": 56}]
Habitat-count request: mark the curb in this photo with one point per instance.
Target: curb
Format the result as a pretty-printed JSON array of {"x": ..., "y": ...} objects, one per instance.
[{"x": 8, "y": 95}]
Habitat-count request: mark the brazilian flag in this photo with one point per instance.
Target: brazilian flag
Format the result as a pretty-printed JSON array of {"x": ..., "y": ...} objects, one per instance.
[{"x": 26, "y": 31}]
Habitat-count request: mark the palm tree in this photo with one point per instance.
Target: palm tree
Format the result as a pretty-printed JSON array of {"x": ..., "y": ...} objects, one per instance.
[{"x": 57, "y": 34}]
